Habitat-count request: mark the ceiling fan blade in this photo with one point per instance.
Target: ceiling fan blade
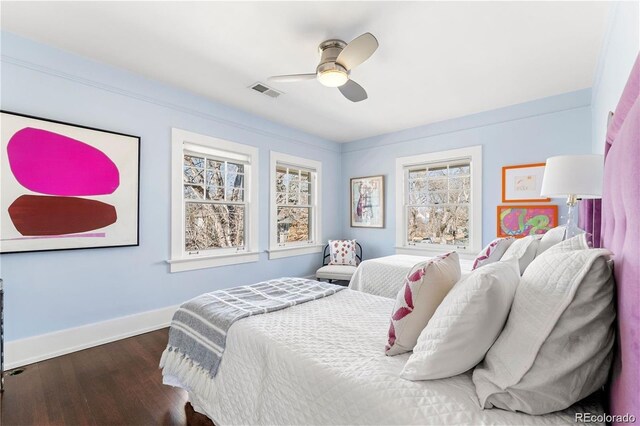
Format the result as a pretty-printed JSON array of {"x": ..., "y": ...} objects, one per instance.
[
  {"x": 291, "y": 78},
  {"x": 358, "y": 51},
  {"x": 353, "y": 91}
]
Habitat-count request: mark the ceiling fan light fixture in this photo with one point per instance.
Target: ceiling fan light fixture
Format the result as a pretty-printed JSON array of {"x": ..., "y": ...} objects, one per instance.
[
  {"x": 337, "y": 59},
  {"x": 333, "y": 77}
]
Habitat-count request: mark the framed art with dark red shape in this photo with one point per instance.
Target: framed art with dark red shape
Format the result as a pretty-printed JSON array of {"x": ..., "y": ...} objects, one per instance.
[
  {"x": 522, "y": 183},
  {"x": 520, "y": 221},
  {"x": 66, "y": 186}
]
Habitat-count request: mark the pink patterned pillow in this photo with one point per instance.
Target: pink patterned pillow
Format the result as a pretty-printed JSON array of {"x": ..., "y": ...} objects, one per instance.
[
  {"x": 343, "y": 252},
  {"x": 425, "y": 286},
  {"x": 493, "y": 252}
]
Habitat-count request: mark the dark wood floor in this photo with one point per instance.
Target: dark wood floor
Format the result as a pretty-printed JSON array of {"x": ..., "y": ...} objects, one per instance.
[{"x": 114, "y": 384}]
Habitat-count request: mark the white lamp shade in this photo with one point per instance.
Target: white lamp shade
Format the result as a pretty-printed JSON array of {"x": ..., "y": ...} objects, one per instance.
[{"x": 579, "y": 175}]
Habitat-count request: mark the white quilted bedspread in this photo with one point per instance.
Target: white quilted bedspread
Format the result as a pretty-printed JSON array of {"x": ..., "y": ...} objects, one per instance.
[
  {"x": 384, "y": 276},
  {"x": 323, "y": 362}
]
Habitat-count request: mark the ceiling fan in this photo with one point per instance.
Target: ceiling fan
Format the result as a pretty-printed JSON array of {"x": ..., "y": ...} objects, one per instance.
[{"x": 337, "y": 59}]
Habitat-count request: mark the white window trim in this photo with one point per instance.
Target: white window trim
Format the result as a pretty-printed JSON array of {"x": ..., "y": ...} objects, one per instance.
[
  {"x": 179, "y": 261},
  {"x": 277, "y": 251},
  {"x": 475, "y": 237}
]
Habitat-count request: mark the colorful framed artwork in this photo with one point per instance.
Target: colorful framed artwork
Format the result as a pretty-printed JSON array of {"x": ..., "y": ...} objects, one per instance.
[
  {"x": 523, "y": 183},
  {"x": 66, "y": 186},
  {"x": 367, "y": 202},
  {"x": 520, "y": 221}
]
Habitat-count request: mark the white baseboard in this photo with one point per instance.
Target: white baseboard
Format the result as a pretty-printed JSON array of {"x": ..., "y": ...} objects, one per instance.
[{"x": 38, "y": 348}]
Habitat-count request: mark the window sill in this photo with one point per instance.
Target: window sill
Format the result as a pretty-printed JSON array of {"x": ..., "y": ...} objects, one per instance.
[
  {"x": 434, "y": 251},
  {"x": 280, "y": 252},
  {"x": 201, "y": 262}
]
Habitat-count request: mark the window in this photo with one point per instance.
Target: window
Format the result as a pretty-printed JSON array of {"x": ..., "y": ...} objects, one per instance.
[
  {"x": 295, "y": 200},
  {"x": 441, "y": 202},
  {"x": 438, "y": 208},
  {"x": 214, "y": 202}
]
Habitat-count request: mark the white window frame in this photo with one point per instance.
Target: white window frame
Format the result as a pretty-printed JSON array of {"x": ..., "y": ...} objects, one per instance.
[
  {"x": 314, "y": 245},
  {"x": 180, "y": 259},
  {"x": 474, "y": 154}
]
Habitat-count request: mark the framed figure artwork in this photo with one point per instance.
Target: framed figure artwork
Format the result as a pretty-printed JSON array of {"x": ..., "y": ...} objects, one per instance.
[
  {"x": 519, "y": 221},
  {"x": 66, "y": 186},
  {"x": 367, "y": 202},
  {"x": 522, "y": 183}
]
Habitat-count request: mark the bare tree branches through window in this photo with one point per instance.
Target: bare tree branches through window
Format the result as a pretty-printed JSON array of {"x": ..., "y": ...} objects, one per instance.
[
  {"x": 438, "y": 204},
  {"x": 293, "y": 204},
  {"x": 214, "y": 203}
]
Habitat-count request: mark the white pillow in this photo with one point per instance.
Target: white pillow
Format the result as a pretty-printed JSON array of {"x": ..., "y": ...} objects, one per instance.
[
  {"x": 424, "y": 288},
  {"x": 523, "y": 249},
  {"x": 579, "y": 242},
  {"x": 466, "y": 323},
  {"x": 550, "y": 238},
  {"x": 492, "y": 252},
  {"x": 342, "y": 252},
  {"x": 556, "y": 347}
]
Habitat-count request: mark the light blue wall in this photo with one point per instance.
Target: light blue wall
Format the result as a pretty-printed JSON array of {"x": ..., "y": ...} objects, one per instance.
[
  {"x": 524, "y": 133},
  {"x": 619, "y": 51},
  {"x": 57, "y": 290}
]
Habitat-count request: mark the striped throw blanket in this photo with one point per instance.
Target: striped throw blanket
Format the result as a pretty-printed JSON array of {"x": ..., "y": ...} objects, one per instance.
[{"x": 199, "y": 328}]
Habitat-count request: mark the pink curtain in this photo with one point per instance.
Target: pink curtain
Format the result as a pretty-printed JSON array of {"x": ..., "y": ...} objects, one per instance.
[{"x": 589, "y": 220}]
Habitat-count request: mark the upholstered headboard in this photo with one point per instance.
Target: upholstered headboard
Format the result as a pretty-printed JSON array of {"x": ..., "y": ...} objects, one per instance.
[{"x": 621, "y": 234}]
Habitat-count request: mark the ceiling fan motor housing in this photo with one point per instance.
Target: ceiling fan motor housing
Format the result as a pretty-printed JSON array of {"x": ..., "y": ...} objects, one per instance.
[
  {"x": 331, "y": 66},
  {"x": 329, "y": 50},
  {"x": 329, "y": 72}
]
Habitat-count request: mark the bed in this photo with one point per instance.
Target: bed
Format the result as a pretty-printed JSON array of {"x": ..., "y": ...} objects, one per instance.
[
  {"x": 280, "y": 368},
  {"x": 322, "y": 362},
  {"x": 383, "y": 276}
]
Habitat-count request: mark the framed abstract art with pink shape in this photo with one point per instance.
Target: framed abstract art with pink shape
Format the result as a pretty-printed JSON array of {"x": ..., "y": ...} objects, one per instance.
[
  {"x": 519, "y": 221},
  {"x": 66, "y": 186}
]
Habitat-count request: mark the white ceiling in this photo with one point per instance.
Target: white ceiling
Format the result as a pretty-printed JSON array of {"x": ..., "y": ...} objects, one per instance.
[{"x": 436, "y": 60}]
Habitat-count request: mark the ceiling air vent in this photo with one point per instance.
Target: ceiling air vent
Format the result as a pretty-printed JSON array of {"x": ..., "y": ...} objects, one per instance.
[{"x": 265, "y": 90}]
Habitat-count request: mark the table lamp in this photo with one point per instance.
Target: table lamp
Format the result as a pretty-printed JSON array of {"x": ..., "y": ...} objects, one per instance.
[{"x": 575, "y": 177}]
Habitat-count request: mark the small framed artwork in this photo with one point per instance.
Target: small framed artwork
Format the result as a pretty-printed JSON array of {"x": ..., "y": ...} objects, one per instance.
[
  {"x": 520, "y": 221},
  {"x": 523, "y": 183},
  {"x": 367, "y": 202},
  {"x": 66, "y": 186}
]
